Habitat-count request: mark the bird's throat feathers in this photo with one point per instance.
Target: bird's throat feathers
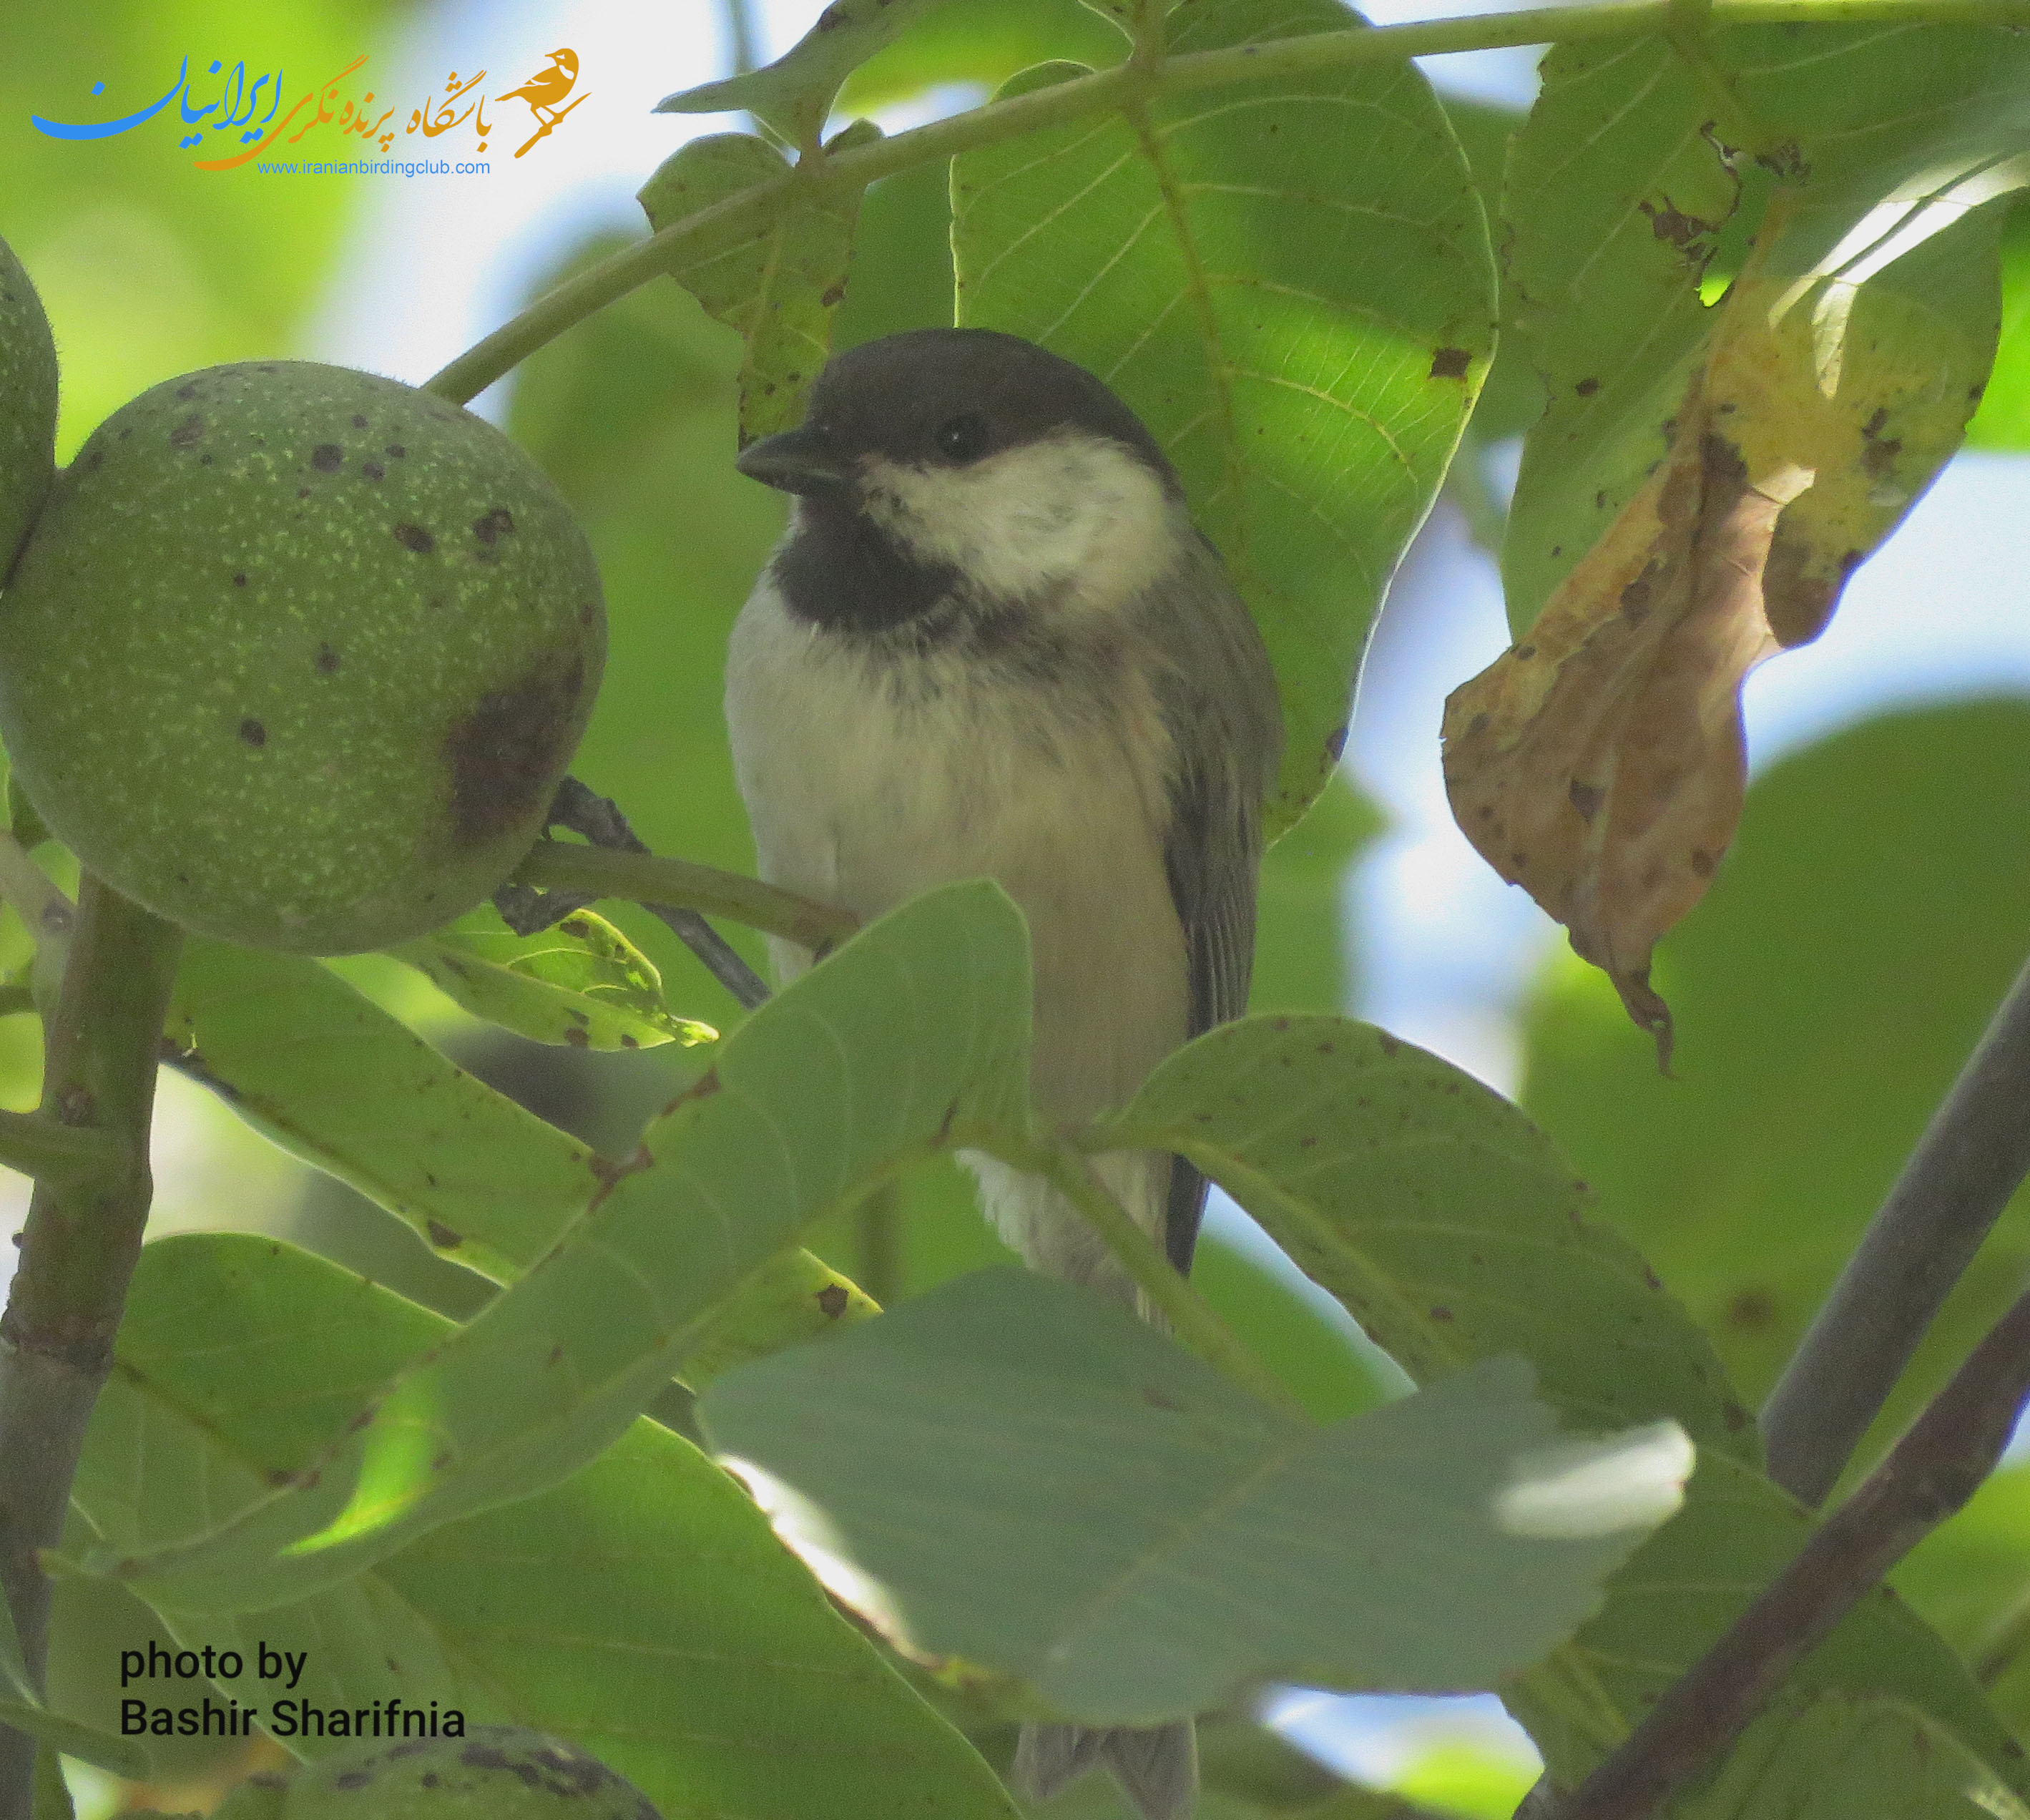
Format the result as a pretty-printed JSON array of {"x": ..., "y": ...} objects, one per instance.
[{"x": 1073, "y": 526}]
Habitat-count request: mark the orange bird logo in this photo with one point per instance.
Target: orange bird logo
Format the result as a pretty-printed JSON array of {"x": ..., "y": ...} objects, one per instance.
[{"x": 543, "y": 91}]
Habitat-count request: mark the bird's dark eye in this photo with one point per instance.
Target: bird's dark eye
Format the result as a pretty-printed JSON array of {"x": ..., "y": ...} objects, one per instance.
[{"x": 964, "y": 437}]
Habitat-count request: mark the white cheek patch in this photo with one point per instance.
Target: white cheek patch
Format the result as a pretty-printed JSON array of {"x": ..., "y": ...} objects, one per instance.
[{"x": 1072, "y": 508}]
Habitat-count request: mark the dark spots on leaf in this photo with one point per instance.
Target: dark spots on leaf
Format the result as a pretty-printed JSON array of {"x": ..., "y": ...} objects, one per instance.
[
  {"x": 443, "y": 1238},
  {"x": 1599, "y": 500},
  {"x": 303, "y": 493},
  {"x": 577, "y": 926},
  {"x": 576, "y": 1038},
  {"x": 187, "y": 392},
  {"x": 1390, "y": 1045},
  {"x": 372, "y": 470},
  {"x": 628, "y": 1042},
  {"x": 1450, "y": 362},
  {"x": 1671, "y": 223},
  {"x": 830, "y": 295},
  {"x": 253, "y": 732},
  {"x": 186, "y": 432},
  {"x": 490, "y": 526},
  {"x": 396, "y": 450},
  {"x": 556, "y": 1355},
  {"x": 327, "y": 458},
  {"x": 1158, "y": 1399},
  {"x": 1441, "y": 1314},
  {"x": 504, "y": 755},
  {"x": 1586, "y": 798},
  {"x": 1586, "y": 388},
  {"x": 1702, "y": 862},
  {"x": 1734, "y": 1417},
  {"x": 94, "y": 460},
  {"x": 239, "y": 578},
  {"x": 347, "y": 1779},
  {"x": 326, "y": 661},
  {"x": 1525, "y": 652},
  {"x": 359, "y": 423},
  {"x": 832, "y": 1301},
  {"x": 1636, "y": 598},
  {"x": 413, "y": 537},
  {"x": 1335, "y": 744},
  {"x": 1752, "y": 1311}
]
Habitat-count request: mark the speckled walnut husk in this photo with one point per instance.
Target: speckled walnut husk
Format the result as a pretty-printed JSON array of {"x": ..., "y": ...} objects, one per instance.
[
  {"x": 499, "y": 1773},
  {"x": 295, "y": 656},
  {"x": 28, "y": 405}
]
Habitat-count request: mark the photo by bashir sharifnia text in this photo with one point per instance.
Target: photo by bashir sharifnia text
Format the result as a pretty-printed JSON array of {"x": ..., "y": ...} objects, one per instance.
[{"x": 287, "y": 1716}]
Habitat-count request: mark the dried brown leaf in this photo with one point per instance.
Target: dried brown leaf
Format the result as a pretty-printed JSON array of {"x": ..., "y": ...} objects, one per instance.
[{"x": 1599, "y": 763}]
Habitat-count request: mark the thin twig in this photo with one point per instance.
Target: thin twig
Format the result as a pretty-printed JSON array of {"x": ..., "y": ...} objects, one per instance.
[
  {"x": 737, "y": 218},
  {"x": 652, "y": 878},
  {"x": 526, "y": 909},
  {"x": 78, "y": 1250},
  {"x": 1928, "y": 1476},
  {"x": 1972, "y": 1157}
]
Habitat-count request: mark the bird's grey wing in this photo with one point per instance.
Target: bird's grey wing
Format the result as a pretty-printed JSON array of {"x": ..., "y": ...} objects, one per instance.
[{"x": 1218, "y": 698}]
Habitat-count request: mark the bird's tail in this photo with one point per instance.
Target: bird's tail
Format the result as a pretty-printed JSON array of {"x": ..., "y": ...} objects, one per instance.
[{"x": 1156, "y": 1767}]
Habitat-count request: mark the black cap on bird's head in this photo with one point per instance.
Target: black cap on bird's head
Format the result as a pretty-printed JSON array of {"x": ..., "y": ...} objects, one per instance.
[{"x": 942, "y": 398}]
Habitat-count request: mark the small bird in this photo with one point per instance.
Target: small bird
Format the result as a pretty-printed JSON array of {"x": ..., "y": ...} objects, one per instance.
[
  {"x": 992, "y": 643},
  {"x": 547, "y": 88}
]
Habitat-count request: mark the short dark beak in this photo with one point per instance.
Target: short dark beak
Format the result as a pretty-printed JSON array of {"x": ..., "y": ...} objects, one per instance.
[{"x": 798, "y": 460}]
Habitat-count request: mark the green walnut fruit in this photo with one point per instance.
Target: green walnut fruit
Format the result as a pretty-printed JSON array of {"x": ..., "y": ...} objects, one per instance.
[
  {"x": 296, "y": 656},
  {"x": 498, "y": 1772},
  {"x": 28, "y": 405}
]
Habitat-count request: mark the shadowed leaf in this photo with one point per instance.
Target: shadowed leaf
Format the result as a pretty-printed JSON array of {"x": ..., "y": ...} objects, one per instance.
[
  {"x": 641, "y": 1609},
  {"x": 913, "y": 1035},
  {"x": 1012, "y": 1472},
  {"x": 1289, "y": 281}
]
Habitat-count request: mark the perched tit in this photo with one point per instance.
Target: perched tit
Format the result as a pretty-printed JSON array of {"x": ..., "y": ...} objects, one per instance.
[{"x": 992, "y": 643}]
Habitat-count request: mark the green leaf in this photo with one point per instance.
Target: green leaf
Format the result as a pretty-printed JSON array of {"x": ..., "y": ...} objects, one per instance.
[
  {"x": 1835, "y": 1757},
  {"x": 1827, "y": 994},
  {"x": 641, "y": 1609},
  {"x": 1445, "y": 1220},
  {"x": 914, "y": 1037},
  {"x": 778, "y": 288},
  {"x": 1606, "y": 295},
  {"x": 1289, "y": 281},
  {"x": 1452, "y": 1231},
  {"x": 792, "y": 1297},
  {"x": 2003, "y": 418},
  {"x": 332, "y": 1078},
  {"x": 122, "y": 1756},
  {"x": 22, "y": 1708},
  {"x": 1034, "y": 1481},
  {"x": 1971, "y": 1578},
  {"x": 794, "y": 94},
  {"x": 580, "y": 981},
  {"x": 1693, "y": 1579}
]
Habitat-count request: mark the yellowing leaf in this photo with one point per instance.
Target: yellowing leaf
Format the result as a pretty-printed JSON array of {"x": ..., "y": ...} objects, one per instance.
[
  {"x": 581, "y": 981},
  {"x": 1599, "y": 762},
  {"x": 778, "y": 287}
]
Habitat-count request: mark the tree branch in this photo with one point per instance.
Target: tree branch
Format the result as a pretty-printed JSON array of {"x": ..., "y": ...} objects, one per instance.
[
  {"x": 77, "y": 1253},
  {"x": 1971, "y": 1159},
  {"x": 714, "y": 229},
  {"x": 1928, "y": 1476},
  {"x": 649, "y": 878}
]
